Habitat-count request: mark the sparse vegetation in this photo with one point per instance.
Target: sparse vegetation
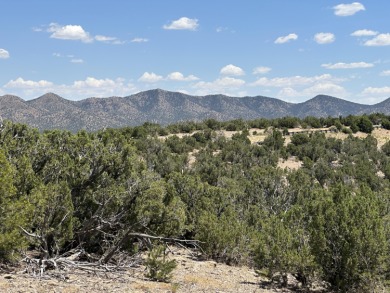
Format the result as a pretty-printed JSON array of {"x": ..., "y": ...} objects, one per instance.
[{"x": 108, "y": 193}]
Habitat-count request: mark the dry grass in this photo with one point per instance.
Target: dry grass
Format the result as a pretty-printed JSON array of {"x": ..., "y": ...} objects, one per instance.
[
  {"x": 257, "y": 135},
  {"x": 381, "y": 135},
  {"x": 292, "y": 163},
  {"x": 191, "y": 275}
]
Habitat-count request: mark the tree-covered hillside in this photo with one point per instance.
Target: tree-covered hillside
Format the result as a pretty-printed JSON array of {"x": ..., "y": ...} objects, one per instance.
[{"x": 105, "y": 191}]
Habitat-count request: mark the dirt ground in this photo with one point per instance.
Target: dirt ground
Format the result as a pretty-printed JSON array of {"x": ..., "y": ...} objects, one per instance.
[{"x": 190, "y": 275}]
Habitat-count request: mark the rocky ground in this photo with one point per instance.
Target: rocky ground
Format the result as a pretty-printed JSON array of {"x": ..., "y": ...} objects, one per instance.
[{"x": 191, "y": 275}]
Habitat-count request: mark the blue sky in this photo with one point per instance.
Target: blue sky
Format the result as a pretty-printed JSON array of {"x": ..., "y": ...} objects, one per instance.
[{"x": 287, "y": 49}]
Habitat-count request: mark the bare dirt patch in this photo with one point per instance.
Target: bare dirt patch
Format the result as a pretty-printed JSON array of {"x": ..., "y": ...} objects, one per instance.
[
  {"x": 292, "y": 163},
  {"x": 257, "y": 135},
  {"x": 191, "y": 275},
  {"x": 381, "y": 135}
]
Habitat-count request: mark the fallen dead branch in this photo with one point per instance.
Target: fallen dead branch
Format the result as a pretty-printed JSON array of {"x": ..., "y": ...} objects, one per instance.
[{"x": 113, "y": 261}]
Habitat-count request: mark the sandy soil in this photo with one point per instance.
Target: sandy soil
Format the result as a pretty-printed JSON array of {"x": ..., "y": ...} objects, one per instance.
[
  {"x": 292, "y": 163},
  {"x": 381, "y": 135},
  {"x": 191, "y": 275}
]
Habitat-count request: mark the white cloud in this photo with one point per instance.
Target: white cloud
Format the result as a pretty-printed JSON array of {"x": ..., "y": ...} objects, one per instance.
[
  {"x": 183, "y": 23},
  {"x": 285, "y": 39},
  {"x": 342, "y": 65},
  {"x": 93, "y": 87},
  {"x": 287, "y": 93},
  {"x": 109, "y": 40},
  {"x": 324, "y": 38},
  {"x": 94, "y": 83},
  {"x": 79, "y": 89},
  {"x": 377, "y": 91},
  {"x": 150, "y": 77},
  {"x": 27, "y": 84},
  {"x": 326, "y": 88},
  {"x": 385, "y": 73},
  {"x": 232, "y": 70},
  {"x": 101, "y": 38},
  {"x": 296, "y": 88},
  {"x": 379, "y": 40},
  {"x": 69, "y": 32},
  {"x": 293, "y": 80},
  {"x": 364, "y": 33},
  {"x": 4, "y": 54},
  {"x": 224, "y": 85},
  {"x": 77, "y": 33},
  {"x": 348, "y": 9},
  {"x": 178, "y": 76},
  {"x": 77, "y": 61},
  {"x": 261, "y": 70},
  {"x": 139, "y": 40}
]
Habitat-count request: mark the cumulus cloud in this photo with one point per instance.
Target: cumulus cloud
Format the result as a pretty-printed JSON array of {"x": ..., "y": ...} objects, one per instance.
[
  {"x": 377, "y": 91},
  {"x": 379, "y": 40},
  {"x": 342, "y": 65},
  {"x": 150, "y": 77},
  {"x": 375, "y": 95},
  {"x": 4, "y": 54},
  {"x": 139, "y": 40},
  {"x": 324, "y": 38},
  {"x": 26, "y": 84},
  {"x": 286, "y": 39},
  {"x": 69, "y": 32},
  {"x": 288, "y": 92},
  {"x": 94, "y": 83},
  {"x": 364, "y": 33},
  {"x": 95, "y": 87},
  {"x": 385, "y": 73},
  {"x": 79, "y": 89},
  {"x": 77, "y": 33},
  {"x": 324, "y": 88},
  {"x": 232, "y": 70},
  {"x": 348, "y": 9},
  {"x": 183, "y": 23},
  {"x": 293, "y": 80},
  {"x": 261, "y": 70},
  {"x": 223, "y": 85},
  {"x": 178, "y": 76}
]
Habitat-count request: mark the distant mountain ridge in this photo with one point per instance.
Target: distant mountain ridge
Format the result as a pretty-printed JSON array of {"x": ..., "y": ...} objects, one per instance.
[{"x": 51, "y": 111}]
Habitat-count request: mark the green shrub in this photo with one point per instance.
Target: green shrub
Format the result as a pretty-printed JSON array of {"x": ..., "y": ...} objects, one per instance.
[
  {"x": 348, "y": 238},
  {"x": 158, "y": 267}
]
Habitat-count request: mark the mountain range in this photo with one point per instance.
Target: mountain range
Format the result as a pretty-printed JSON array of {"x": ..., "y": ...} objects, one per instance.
[{"x": 51, "y": 111}]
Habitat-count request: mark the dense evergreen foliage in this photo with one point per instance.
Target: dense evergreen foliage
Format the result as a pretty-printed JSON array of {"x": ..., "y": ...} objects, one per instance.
[{"x": 329, "y": 219}]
